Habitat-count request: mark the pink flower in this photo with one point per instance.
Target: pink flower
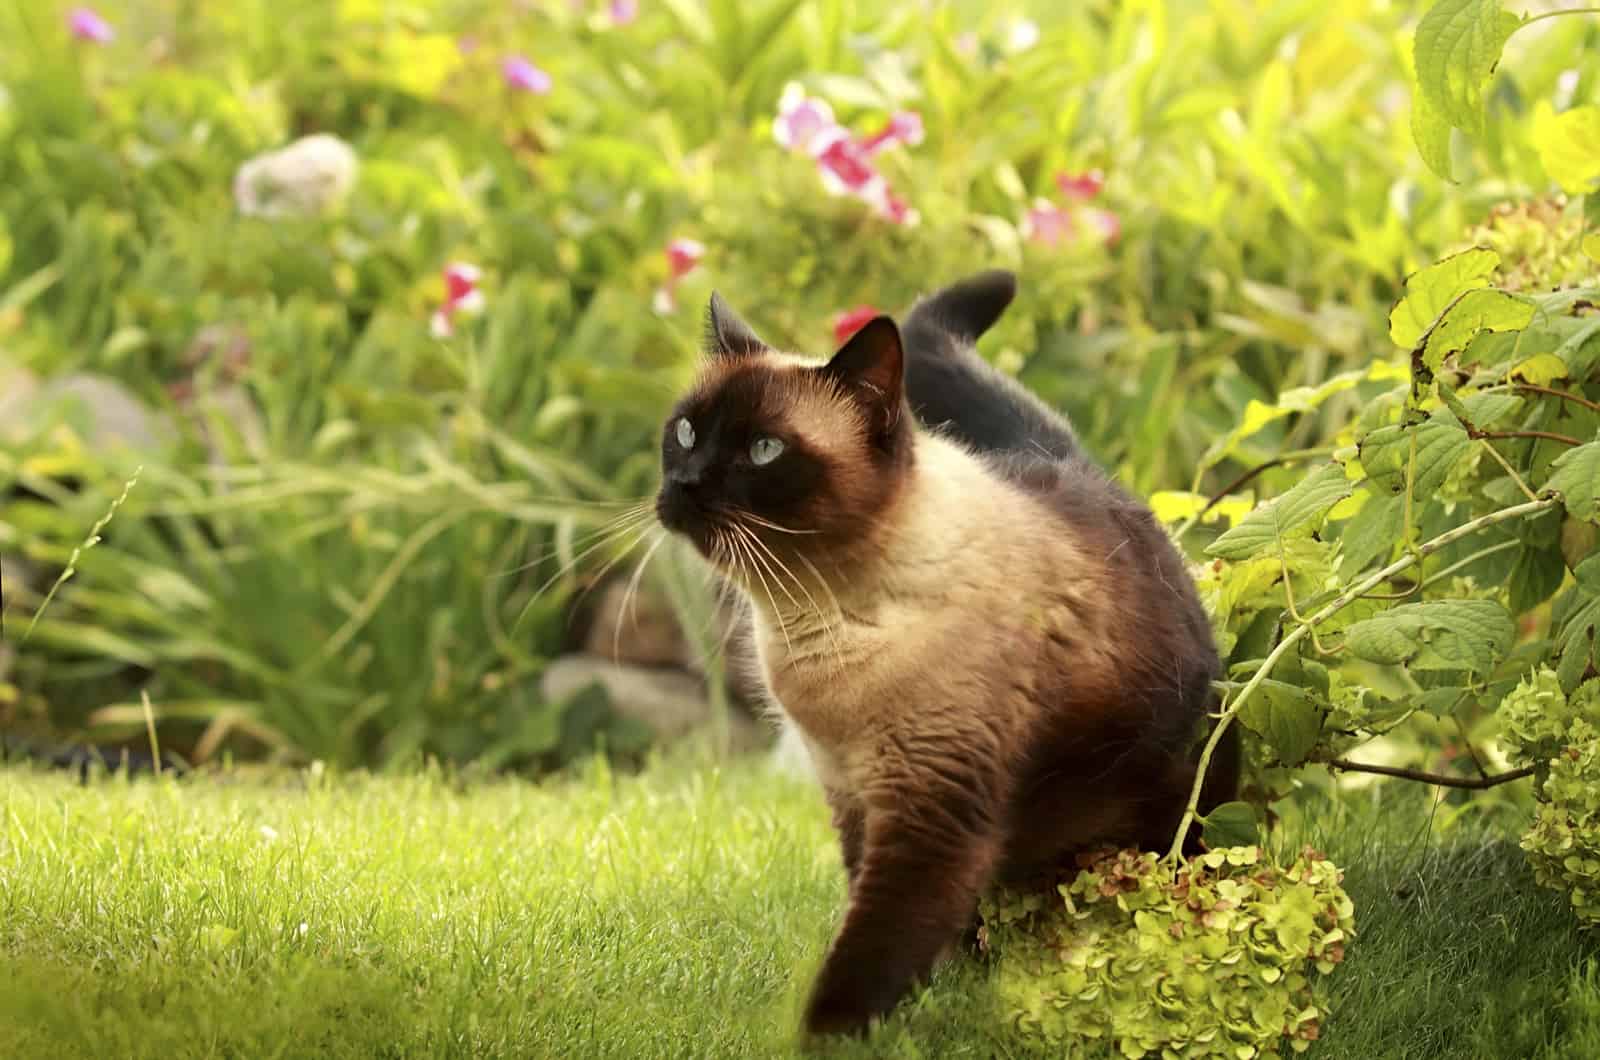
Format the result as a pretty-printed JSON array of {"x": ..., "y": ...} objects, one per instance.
[
  {"x": 86, "y": 24},
  {"x": 1047, "y": 223},
  {"x": 683, "y": 255},
  {"x": 845, "y": 166},
  {"x": 1081, "y": 185},
  {"x": 801, "y": 119},
  {"x": 1105, "y": 223},
  {"x": 461, "y": 295},
  {"x": 522, "y": 74},
  {"x": 853, "y": 320},
  {"x": 624, "y": 11},
  {"x": 905, "y": 127}
]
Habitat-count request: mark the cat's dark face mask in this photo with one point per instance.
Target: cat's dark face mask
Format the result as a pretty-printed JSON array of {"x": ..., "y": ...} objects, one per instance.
[{"x": 770, "y": 451}]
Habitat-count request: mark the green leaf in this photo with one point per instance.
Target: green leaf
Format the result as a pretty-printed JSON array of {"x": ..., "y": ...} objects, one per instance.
[
  {"x": 1569, "y": 145},
  {"x": 1441, "y": 443},
  {"x": 1540, "y": 370},
  {"x": 1372, "y": 532},
  {"x": 1457, "y": 46},
  {"x": 1232, "y": 824},
  {"x": 1535, "y": 577},
  {"x": 1486, "y": 309},
  {"x": 1258, "y": 414},
  {"x": 1431, "y": 132},
  {"x": 1435, "y": 635},
  {"x": 1287, "y": 717},
  {"x": 1577, "y": 479},
  {"x": 1308, "y": 500},
  {"x": 1430, "y": 291}
]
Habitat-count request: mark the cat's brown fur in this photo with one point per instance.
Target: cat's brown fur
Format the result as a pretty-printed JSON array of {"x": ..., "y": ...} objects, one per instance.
[{"x": 996, "y": 659}]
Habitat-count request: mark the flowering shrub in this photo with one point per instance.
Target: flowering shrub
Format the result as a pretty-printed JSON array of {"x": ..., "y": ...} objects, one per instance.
[{"x": 1222, "y": 958}]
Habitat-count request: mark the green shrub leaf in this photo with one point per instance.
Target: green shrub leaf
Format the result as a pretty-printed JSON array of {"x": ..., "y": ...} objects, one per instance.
[
  {"x": 1288, "y": 717},
  {"x": 1232, "y": 824},
  {"x": 1457, "y": 45},
  {"x": 1569, "y": 145},
  {"x": 1485, "y": 309},
  {"x": 1435, "y": 635},
  {"x": 1430, "y": 291},
  {"x": 1577, "y": 479},
  {"x": 1308, "y": 500}
]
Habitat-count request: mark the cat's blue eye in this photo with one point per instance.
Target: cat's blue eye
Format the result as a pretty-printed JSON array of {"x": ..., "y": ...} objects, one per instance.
[
  {"x": 685, "y": 432},
  {"x": 764, "y": 451}
]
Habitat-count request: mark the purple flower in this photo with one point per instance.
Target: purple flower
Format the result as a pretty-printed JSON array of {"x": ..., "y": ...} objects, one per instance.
[
  {"x": 522, "y": 74},
  {"x": 1047, "y": 223},
  {"x": 1081, "y": 185},
  {"x": 86, "y": 24},
  {"x": 801, "y": 120},
  {"x": 624, "y": 11}
]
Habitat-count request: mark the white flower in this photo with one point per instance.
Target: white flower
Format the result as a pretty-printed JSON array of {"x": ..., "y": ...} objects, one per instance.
[{"x": 305, "y": 178}]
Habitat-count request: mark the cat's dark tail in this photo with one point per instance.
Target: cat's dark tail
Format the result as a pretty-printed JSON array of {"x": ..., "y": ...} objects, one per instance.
[{"x": 952, "y": 389}]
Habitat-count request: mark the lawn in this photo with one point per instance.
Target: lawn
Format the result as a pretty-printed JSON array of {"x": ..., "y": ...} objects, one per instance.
[{"x": 678, "y": 912}]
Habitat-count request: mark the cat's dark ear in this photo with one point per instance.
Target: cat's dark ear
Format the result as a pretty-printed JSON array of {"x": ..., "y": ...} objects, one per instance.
[
  {"x": 871, "y": 368},
  {"x": 726, "y": 334}
]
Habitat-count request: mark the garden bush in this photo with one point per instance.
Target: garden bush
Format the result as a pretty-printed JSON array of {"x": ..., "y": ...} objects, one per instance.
[{"x": 1221, "y": 958}]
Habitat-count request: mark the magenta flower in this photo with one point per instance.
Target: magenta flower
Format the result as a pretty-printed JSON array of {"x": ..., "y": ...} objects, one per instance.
[
  {"x": 1047, "y": 223},
  {"x": 624, "y": 11},
  {"x": 905, "y": 127},
  {"x": 683, "y": 255},
  {"x": 461, "y": 295},
  {"x": 523, "y": 75},
  {"x": 1105, "y": 223},
  {"x": 802, "y": 120},
  {"x": 853, "y": 320},
  {"x": 86, "y": 24},
  {"x": 845, "y": 166},
  {"x": 1081, "y": 186}
]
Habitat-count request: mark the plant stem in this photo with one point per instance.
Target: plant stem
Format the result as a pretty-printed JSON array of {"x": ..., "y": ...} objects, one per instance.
[
  {"x": 1442, "y": 780},
  {"x": 1556, "y": 14},
  {"x": 1216, "y": 498},
  {"x": 1175, "y": 854},
  {"x": 1564, "y": 395},
  {"x": 1564, "y": 439}
]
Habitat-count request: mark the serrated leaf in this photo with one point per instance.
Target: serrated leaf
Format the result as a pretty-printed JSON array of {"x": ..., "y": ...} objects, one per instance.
[
  {"x": 1430, "y": 291},
  {"x": 1287, "y": 717},
  {"x": 1435, "y": 635},
  {"x": 1457, "y": 45},
  {"x": 1372, "y": 533},
  {"x": 1540, "y": 370},
  {"x": 1588, "y": 575},
  {"x": 1486, "y": 309},
  {"x": 1577, "y": 644},
  {"x": 1535, "y": 576},
  {"x": 1232, "y": 824},
  {"x": 1295, "y": 510},
  {"x": 1577, "y": 479},
  {"x": 1569, "y": 145},
  {"x": 1431, "y": 132}
]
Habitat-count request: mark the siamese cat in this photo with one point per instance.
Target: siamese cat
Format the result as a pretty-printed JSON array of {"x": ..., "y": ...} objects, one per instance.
[{"x": 994, "y": 654}]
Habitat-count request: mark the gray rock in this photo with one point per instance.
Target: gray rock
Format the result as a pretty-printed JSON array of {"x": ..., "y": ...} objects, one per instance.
[
  {"x": 637, "y": 627},
  {"x": 113, "y": 417},
  {"x": 19, "y": 389},
  {"x": 671, "y": 702},
  {"x": 312, "y": 174}
]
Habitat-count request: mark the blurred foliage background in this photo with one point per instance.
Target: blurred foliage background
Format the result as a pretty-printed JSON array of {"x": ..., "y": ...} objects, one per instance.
[{"x": 342, "y": 519}]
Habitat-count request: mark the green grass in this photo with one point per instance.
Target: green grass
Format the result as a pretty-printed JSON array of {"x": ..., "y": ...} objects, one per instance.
[{"x": 678, "y": 913}]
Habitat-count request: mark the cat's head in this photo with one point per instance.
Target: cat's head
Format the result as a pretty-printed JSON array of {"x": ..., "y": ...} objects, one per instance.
[{"x": 802, "y": 455}]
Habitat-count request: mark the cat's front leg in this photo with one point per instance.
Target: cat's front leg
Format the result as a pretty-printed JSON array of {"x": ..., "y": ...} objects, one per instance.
[{"x": 922, "y": 869}]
